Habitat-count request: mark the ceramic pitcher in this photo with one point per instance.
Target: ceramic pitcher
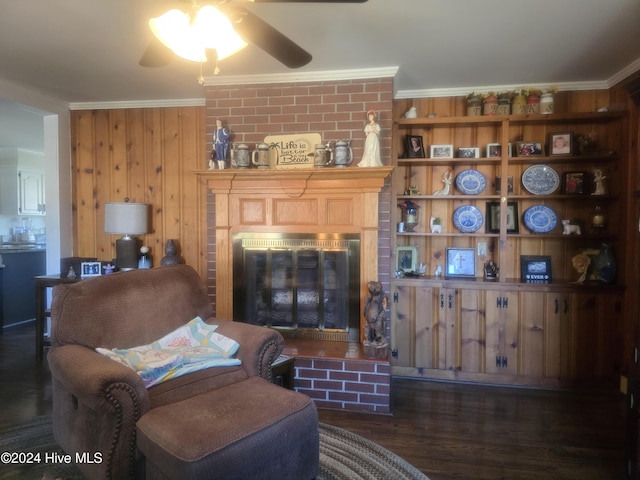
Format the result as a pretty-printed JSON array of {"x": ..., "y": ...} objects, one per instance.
[
  {"x": 343, "y": 153},
  {"x": 240, "y": 156},
  {"x": 260, "y": 156}
]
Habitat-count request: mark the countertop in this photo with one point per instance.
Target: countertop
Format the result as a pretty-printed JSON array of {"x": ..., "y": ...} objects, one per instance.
[{"x": 6, "y": 248}]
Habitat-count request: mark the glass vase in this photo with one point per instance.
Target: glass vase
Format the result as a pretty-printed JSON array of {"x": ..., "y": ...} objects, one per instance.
[
  {"x": 410, "y": 218},
  {"x": 604, "y": 265}
]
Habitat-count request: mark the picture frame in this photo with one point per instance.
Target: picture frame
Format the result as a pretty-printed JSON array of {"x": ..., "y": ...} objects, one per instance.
[
  {"x": 576, "y": 183},
  {"x": 414, "y": 146},
  {"x": 90, "y": 269},
  {"x": 441, "y": 151},
  {"x": 460, "y": 262},
  {"x": 535, "y": 268},
  {"x": 468, "y": 152},
  {"x": 494, "y": 150},
  {"x": 406, "y": 258},
  {"x": 493, "y": 217},
  {"x": 561, "y": 143},
  {"x": 526, "y": 149},
  {"x": 509, "y": 185}
]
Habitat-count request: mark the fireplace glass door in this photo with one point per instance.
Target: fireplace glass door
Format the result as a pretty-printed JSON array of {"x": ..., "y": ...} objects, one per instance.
[{"x": 297, "y": 285}]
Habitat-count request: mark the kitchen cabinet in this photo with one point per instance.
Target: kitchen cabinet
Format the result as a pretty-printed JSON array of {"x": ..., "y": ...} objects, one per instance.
[
  {"x": 18, "y": 300},
  {"x": 21, "y": 183}
]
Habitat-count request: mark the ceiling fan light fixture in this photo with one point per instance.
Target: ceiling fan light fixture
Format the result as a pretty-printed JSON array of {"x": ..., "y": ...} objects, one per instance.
[{"x": 188, "y": 40}]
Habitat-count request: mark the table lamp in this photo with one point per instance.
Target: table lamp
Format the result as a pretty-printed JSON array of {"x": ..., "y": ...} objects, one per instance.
[{"x": 127, "y": 219}]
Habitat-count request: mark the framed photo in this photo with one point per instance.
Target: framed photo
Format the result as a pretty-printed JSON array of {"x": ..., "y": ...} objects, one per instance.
[
  {"x": 461, "y": 262},
  {"x": 441, "y": 151},
  {"x": 468, "y": 152},
  {"x": 493, "y": 217},
  {"x": 509, "y": 185},
  {"x": 535, "y": 268},
  {"x": 495, "y": 150},
  {"x": 576, "y": 183},
  {"x": 415, "y": 149},
  {"x": 90, "y": 269},
  {"x": 406, "y": 259},
  {"x": 529, "y": 148},
  {"x": 561, "y": 143}
]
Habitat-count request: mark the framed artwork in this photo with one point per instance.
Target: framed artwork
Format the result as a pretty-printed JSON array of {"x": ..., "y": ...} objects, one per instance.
[
  {"x": 576, "y": 183},
  {"x": 535, "y": 268},
  {"x": 495, "y": 150},
  {"x": 468, "y": 152},
  {"x": 493, "y": 217},
  {"x": 441, "y": 151},
  {"x": 406, "y": 259},
  {"x": 415, "y": 148},
  {"x": 561, "y": 143},
  {"x": 461, "y": 262},
  {"x": 529, "y": 148},
  {"x": 90, "y": 269}
]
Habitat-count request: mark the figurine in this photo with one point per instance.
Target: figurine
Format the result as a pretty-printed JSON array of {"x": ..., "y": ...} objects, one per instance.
[
  {"x": 171, "y": 257},
  {"x": 220, "y": 144},
  {"x": 598, "y": 178},
  {"x": 411, "y": 113},
  {"x": 375, "y": 315},
  {"x": 371, "y": 155},
  {"x": 446, "y": 179},
  {"x": 108, "y": 269},
  {"x": 568, "y": 228},
  {"x": 435, "y": 223},
  {"x": 491, "y": 270}
]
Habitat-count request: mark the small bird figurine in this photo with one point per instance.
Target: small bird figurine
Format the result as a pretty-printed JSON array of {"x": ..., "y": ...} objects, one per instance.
[{"x": 411, "y": 113}]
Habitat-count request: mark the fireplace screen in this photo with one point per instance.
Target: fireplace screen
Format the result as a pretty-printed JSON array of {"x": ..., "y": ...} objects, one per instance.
[{"x": 306, "y": 286}]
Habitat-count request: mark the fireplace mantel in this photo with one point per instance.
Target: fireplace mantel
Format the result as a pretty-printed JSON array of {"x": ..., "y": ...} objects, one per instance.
[{"x": 328, "y": 200}]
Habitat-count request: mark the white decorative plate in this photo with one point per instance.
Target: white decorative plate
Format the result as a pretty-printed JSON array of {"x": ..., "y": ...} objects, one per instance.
[
  {"x": 540, "y": 219},
  {"x": 467, "y": 218},
  {"x": 540, "y": 180},
  {"x": 471, "y": 182}
]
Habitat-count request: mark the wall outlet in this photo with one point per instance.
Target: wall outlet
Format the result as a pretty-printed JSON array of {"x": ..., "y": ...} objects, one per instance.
[{"x": 482, "y": 249}]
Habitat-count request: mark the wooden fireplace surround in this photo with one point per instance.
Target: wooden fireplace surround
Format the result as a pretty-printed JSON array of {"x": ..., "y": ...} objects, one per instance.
[{"x": 328, "y": 200}]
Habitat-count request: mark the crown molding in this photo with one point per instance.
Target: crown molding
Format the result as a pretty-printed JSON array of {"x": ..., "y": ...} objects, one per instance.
[
  {"x": 178, "y": 102},
  {"x": 323, "y": 76},
  {"x": 625, "y": 73}
]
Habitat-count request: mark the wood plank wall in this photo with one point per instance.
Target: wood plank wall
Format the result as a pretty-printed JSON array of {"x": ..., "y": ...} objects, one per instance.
[{"x": 146, "y": 155}]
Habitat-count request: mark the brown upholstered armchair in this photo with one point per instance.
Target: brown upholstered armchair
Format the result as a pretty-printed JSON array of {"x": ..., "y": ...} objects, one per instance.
[{"x": 97, "y": 402}]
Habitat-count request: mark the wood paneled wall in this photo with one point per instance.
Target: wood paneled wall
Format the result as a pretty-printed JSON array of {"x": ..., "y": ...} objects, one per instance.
[{"x": 148, "y": 156}]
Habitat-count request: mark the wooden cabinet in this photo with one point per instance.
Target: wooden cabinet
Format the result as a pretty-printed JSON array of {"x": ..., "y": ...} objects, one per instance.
[
  {"x": 21, "y": 182},
  {"x": 509, "y": 330}
]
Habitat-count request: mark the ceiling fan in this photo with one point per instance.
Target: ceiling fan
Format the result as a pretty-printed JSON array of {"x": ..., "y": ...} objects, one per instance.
[{"x": 238, "y": 22}]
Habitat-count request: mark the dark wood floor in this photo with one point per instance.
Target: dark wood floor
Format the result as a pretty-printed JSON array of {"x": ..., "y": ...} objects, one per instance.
[{"x": 448, "y": 431}]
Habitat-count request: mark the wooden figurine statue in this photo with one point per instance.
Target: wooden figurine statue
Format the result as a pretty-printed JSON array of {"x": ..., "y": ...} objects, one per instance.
[{"x": 375, "y": 316}]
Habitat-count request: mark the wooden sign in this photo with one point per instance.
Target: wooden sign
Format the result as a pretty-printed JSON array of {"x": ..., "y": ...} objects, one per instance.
[{"x": 292, "y": 151}]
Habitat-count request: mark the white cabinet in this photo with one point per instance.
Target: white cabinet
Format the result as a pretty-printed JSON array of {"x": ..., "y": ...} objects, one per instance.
[{"x": 21, "y": 182}]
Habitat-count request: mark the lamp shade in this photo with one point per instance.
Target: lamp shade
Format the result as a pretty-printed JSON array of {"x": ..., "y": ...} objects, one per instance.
[{"x": 126, "y": 218}]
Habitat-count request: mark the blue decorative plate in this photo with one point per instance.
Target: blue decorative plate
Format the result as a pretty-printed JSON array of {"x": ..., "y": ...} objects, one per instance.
[
  {"x": 467, "y": 218},
  {"x": 540, "y": 219},
  {"x": 540, "y": 180},
  {"x": 471, "y": 182}
]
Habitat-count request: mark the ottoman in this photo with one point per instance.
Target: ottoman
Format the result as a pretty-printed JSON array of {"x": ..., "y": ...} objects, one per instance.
[{"x": 247, "y": 430}]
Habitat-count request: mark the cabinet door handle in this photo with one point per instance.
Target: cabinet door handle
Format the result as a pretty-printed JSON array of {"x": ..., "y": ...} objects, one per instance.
[
  {"x": 442, "y": 300},
  {"x": 505, "y": 302},
  {"x": 557, "y": 306},
  {"x": 566, "y": 305},
  {"x": 498, "y": 302},
  {"x": 450, "y": 301}
]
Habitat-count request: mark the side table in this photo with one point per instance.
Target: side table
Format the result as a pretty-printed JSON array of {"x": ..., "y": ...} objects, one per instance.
[
  {"x": 283, "y": 371},
  {"x": 42, "y": 311}
]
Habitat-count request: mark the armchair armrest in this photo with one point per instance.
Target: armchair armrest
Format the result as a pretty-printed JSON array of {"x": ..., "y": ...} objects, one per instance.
[
  {"x": 89, "y": 376},
  {"x": 259, "y": 346}
]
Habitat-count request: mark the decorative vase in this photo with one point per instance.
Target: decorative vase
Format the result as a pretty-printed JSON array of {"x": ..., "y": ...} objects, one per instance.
[
  {"x": 604, "y": 265},
  {"x": 546, "y": 103},
  {"x": 599, "y": 218},
  {"x": 491, "y": 105},
  {"x": 533, "y": 103},
  {"x": 410, "y": 218},
  {"x": 504, "y": 105},
  {"x": 519, "y": 105},
  {"x": 474, "y": 106}
]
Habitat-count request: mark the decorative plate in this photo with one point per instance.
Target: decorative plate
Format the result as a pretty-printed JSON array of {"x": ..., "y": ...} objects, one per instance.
[
  {"x": 540, "y": 219},
  {"x": 467, "y": 218},
  {"x": 540, "y": 180},
  {"x": 471, "y": 182}
]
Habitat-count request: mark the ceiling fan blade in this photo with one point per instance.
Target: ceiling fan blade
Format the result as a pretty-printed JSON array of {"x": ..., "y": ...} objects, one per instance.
[
  {"x": 307, "y": 1},
  {"x": 255, "y": 30},
  {"x": 156, "y": 55}
]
